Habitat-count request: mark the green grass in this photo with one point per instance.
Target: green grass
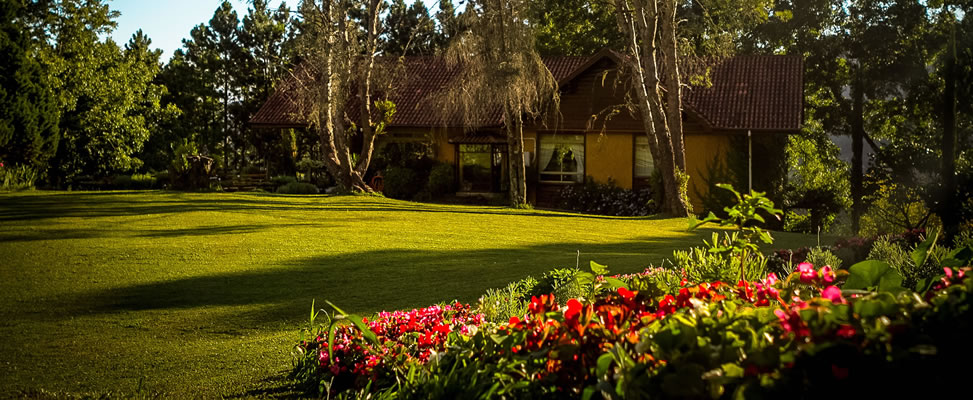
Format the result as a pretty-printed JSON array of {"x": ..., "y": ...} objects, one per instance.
[{"x": 202, "y": 295}]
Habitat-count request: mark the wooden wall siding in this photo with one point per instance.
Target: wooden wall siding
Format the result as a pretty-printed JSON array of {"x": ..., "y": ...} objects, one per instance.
[
  {"x": 610, "y": 156},
  {"x": 586, "y": 96}
]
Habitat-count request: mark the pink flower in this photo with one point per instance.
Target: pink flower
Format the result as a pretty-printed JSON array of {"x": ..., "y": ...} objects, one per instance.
[
  {"x": 827, "y": 274},
  {"x": 834, "y": 294},
  {"x": 808, "y": 274}
]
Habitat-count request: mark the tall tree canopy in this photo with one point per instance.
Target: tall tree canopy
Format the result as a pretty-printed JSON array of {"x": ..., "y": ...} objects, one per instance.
[{"x": 28, "y": 111}]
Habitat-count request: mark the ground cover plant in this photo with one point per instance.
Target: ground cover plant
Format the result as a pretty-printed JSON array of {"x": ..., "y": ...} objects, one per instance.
[{"x": 201, "y": 294}]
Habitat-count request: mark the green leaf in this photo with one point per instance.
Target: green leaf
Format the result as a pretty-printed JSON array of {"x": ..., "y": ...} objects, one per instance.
[
  {"x": 366, "y": 332},
  {"x": 615, "y": 283},
  {"x": 604, "y": 362},
  {"x": 598, "y": 269},
  {"x": 871, "y": 275},
  {"x": 921, "y": 253},
  {"x": 960, "y": 257}
]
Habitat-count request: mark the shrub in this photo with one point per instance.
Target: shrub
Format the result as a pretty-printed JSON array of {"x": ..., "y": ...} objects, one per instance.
[
  {"x": 823, "y": 256},
  {"x": 607, "y": 199},
  {"x": 441, "y": 180},
  {"x": 14, "y": 177},
  {"x": 703, "y": 265},
  {"x": 133, "y": 182},
  {"x": 498, "y": 305},
  {"x": 298, "y": 188},
  {"x": 282, "y": 180},
  {"x": 401, "y": 183}
]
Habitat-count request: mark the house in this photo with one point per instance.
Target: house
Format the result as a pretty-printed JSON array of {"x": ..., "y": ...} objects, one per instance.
[{"x": 760, "y": 96}]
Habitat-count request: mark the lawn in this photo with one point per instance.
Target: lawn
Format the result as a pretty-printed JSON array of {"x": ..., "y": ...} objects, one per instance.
[{"x": 202, "y": 295}]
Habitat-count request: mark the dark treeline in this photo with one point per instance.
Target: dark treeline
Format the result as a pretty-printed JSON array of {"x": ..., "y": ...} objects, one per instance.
[{"x": 894, "y": 76}]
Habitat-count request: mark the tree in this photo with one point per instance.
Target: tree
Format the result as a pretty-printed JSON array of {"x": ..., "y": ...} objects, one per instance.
[
  {"x": 409, "y": 30},
  {"x": 28, "y": 111},
  {"x": 652, "y": 63},
  {"x": 340, "y": 71},
  {"x": 264, "y": 58},
  {"x": 447, "y": 25},
  {"x": 501, "y": 71},
  {"x": 105, "y": 95},
  {"x": 574, "y": 27}
]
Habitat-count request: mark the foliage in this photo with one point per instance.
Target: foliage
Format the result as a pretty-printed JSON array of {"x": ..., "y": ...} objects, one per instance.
[
  {"x": 401, "y": 183},
  {"x": 442, "y": 180},
  {"x": 708, "y": 340},
  {"x": 134, "y": 182},
  {"x": 409, "y": 30},
  {"x": 498, "y": 305},
  {"x": 298, "y": 188},
  {"x": 607, "y": 199},
  {"x": 28, "y": 108},
  {"x": 895, "y": 208},
  {"x": 20, "y": 177},
  {"x": 817, "y": 181},
  {"x": 574, "y": 27},
  {"x": 703, "y": 265},
  {"x": 502, "y": 71},
  {"x": 281, "y": 180},
  {"x": 823, "y": 256},
  {"x": 743, "y": 242}
]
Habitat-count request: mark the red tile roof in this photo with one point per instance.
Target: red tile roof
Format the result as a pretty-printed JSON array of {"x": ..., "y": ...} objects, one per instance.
[
  {"x": 748, "y": 92},
  {"x": 752, "y": 92}
]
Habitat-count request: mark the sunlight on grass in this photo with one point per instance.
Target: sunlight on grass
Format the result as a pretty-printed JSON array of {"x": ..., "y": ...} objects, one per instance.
[{"x": 202, "y": 294}]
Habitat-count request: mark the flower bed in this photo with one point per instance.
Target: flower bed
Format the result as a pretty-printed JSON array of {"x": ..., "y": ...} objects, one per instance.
[{"x": 767, "y": 338}]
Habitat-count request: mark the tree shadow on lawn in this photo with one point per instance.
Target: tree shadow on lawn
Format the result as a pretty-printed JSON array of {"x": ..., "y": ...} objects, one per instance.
[
  {"x": 121, "y": 204},
  {"x": 371, "y": 281}
]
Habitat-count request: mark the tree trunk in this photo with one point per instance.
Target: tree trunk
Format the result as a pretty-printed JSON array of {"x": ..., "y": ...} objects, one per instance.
[
  {"x": 515, "y": 158},
  {"x": 671, "y": 81},
  {"x": 948, "y": 211},
  {"x": 639, "y": 24},
  {"x": 857, "y": 164}
]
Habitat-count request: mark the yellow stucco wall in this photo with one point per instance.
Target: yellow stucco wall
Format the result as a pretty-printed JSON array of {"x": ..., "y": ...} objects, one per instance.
[
  {"x": 703, "y": 153},
  {"x": 609, "y": 156}
]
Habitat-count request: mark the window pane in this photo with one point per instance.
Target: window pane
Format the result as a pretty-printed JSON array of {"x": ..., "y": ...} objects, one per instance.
[
  {"x": 643, "y": 157},
  {"x": 561, "y": 158}
]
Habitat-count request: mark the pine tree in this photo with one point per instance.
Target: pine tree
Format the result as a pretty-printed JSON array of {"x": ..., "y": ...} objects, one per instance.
[{"x": 28, "y": 111}]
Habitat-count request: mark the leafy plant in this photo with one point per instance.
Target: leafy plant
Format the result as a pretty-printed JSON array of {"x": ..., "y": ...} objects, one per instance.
[
  {"x": 607, "y": 199},
  {"x": 743, "y": 217},
  {"x": 823, "y": 256}
]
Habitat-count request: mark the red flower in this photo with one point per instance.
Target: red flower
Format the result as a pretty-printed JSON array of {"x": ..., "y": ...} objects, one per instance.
[
  {"x": 573, "y": 311},
  {"x": 846, "y": 331},
  {"x": 626, "y": 294}
]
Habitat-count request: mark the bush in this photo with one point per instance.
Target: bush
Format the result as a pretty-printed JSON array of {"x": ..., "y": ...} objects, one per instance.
[
  {"x": 401, "y": 183},
  {"x": 298, "y": 188},
  {"x": 823, "y": 256},
  {"x": 607, "y": 199},
  {"x": 20, "y": 177},
  {"x": 133, "y": 182},
  {"x": 441, "y": 180},
  {"x": 282, "y": 180}
]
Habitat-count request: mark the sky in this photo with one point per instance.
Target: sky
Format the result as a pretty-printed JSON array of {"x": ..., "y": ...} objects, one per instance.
[{"x": 167, "y": 22}]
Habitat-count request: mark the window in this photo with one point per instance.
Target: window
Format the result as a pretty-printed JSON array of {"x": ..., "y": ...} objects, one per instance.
[
  {"x": 644, "y": 166},
  {"x": 483, "y": 168},
  {"x": 561, "y": 158}
]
